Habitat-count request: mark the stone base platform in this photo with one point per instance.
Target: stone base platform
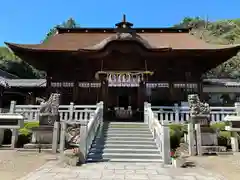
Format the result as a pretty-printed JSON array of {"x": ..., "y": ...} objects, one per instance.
[
  {"x": 213, "y": 149},
  {"x": 36, "y": 146}
]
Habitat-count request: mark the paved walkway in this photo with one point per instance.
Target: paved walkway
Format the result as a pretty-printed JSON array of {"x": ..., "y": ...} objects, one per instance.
[
  {"x": 228, "y": 165},
  {"x": 118, "y": 171},
  {"x": 15, "y": 164}
]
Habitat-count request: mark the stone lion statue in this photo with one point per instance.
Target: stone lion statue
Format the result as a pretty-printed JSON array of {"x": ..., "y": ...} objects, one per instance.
[
  {"x": 198, "y": 110},
  {"x": 49, "y": 110}
]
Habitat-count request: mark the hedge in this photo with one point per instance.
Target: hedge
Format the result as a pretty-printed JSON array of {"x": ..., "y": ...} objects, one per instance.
[
  {"x": 26, "y": 130},
  {"x": 177, "y": 132},
  {"x": 25, "y": 133}
]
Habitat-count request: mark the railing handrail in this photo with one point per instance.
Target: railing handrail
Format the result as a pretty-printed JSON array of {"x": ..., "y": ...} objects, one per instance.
[
  {"x": 187, "y": 107},
  {"x": 60, "y": 107},
  {"x": 160, "y": 132},
  {"x": 93, "y": 126},
  {"x": 181, "y": 114}
]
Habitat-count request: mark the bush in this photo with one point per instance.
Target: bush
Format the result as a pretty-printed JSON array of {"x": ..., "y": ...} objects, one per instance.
[
  {"x": 26, "y": 130},
  {"x": 218, "y": 126},
  {"x": 23, "y": 139},
  {"x": 25, "y": 133},
  {"x": 224, "y": 138},
  {"x": 176, "y": 134}
]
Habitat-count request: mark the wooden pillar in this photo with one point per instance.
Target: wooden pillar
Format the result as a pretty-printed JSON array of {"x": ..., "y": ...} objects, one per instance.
[
  {"x": 32, "y": 98},
  {"x": 103, "y": 88},
  {"x": 141, "y": 94},
  {"x": 200, "y": 90},
  {"x": 104, "y": 91},
  {"x": 171, "y": 90},
  {"x": 48, "y": 86},
  {"x": 75, "y": 92}
]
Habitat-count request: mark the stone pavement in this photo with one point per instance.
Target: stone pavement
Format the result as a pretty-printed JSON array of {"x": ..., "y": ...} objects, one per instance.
[{"x": 118, "y": 171}]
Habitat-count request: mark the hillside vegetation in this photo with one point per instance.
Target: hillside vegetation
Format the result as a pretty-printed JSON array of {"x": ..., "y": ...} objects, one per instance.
[{"x": 219, "y": 32}]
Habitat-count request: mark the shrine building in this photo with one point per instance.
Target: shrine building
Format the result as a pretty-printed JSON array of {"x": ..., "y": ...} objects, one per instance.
[{"x": 124, "y": 66}]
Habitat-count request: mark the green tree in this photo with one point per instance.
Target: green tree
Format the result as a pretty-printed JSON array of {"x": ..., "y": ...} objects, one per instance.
[
  {"x": 70, "y": 23},
  {"x": 218, "y": 32}
]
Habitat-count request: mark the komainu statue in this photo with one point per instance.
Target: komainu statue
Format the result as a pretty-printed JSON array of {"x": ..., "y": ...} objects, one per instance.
[
  {"x": 49, "y": 110},
  {"x": 198, "y": 110},
  {"x": 73, "y": 135}
]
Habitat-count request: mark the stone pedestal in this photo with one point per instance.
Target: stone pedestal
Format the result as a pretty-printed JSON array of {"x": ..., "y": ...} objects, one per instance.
[
  {"x": 234, "y": 142},
  {"x": 43, "y": 136}
]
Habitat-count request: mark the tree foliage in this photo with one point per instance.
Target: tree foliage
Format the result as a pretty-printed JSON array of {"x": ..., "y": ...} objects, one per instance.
[
  {"x": 70, "y": 23},
  {"x": 13, "y": 64},
  {"x": 219, "y": 32}
]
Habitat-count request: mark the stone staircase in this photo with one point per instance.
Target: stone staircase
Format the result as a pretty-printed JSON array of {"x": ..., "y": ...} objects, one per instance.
[{"x": 124, "y": 142}]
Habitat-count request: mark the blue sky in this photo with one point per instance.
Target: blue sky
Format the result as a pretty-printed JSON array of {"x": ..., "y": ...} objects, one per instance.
[{"x": 27, "y": 21}]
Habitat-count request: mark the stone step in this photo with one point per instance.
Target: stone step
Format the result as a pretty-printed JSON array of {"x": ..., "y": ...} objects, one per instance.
[
  {"x": 124, "y": 156},
  {"x": 142, "y": 142},
  {"x": 110, "y": 138},
  {"x": 127, "y": 134},
  {"x": 126, "y": 124},
  {"x": 127, "y": 129},
  {"x": 125, "y": 146},
  {"x": 123, "y": 150},
  {"x": 127, "y": 160}
]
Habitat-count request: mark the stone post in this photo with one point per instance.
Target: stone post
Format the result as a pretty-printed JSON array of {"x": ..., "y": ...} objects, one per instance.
[
  {"x": 199, "y": 139},
  {"x": 101, "y": 106},
  {"x": 71, "y": 111},
  {"x": 14, "y": 131},
  {"x": 146, "y": 112},
  {"x": 166, "y": 143},
  {"x": 191, "y": 139},
  {"x": 55, "y": 137},
  {"x": 176, "y": 110},
  {"x": 62, "y": 136},
  {"x": 234, "y": 142},
  {"x": 234, "y": 135},
  {"x": 237, "y": 107},
  {"x": 83, "y": 142}
]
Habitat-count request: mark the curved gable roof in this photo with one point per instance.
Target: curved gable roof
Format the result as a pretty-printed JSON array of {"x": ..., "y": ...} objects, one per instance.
[{"x": 92, "y": 40}]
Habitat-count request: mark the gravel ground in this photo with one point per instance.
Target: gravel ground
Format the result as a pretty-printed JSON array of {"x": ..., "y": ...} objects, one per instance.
[
  {"x": 15, "y": 164},
  {"x": 227, "y": 165}
]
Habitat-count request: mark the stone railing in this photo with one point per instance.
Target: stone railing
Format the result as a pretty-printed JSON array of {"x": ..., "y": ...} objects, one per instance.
[
  {"x": 88, "y": 130},
  {"x": 66, "y": 112},
  {"x": 181, "y": 114},
  {"x": 160, "y": 131}
]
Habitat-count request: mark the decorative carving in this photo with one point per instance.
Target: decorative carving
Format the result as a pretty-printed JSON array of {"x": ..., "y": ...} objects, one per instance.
[
  {"x": 49, "y": 110},
  {"x": 197, "y": 108},
  {"x": 124, "y": 78}
]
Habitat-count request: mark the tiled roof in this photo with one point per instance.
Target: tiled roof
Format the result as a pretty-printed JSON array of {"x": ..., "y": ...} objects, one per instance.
[
  {"x": 84, "y": 41},
  {"x": 223, "y": 82},
  {"x": 26, "y": 82}
]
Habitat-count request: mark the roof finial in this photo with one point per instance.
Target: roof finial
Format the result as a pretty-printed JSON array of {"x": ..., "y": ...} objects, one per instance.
[
  {"x": 124, "y": 18},
  {"x": 124, "y": 24}
]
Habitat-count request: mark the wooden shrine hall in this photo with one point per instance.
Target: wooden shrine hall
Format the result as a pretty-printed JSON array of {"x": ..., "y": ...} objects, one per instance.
[{"x": 124, "y": 66}]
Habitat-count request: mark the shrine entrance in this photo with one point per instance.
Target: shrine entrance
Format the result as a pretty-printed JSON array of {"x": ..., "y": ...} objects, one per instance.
[
  {"x": 122, "y": 102},
  {"x": 123, "y": 95}
]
